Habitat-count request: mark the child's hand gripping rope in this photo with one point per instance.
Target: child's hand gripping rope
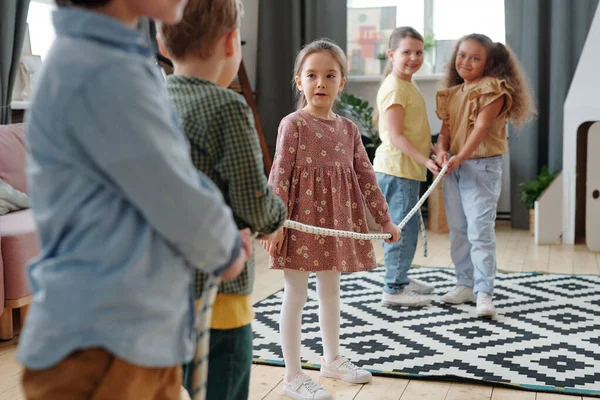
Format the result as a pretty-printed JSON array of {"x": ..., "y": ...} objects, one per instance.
[{"x": 203, "y": 317}]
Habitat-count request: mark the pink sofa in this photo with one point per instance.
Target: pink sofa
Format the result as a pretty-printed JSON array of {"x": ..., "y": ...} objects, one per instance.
[{"x": 18, "y": 241}]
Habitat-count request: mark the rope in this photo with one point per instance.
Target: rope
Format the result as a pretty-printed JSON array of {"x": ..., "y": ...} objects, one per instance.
[
  {"x": 423, "y": 232},
  {"x": 203, "y": 320},
  {"x": 366, "y": 236},
  {"x": 204, "y": 315}
]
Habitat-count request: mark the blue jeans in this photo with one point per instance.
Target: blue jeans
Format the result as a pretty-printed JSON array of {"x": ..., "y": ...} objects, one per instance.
[
  {"x": 402, "y": 195},
  {"x": 471, "y": 195}
]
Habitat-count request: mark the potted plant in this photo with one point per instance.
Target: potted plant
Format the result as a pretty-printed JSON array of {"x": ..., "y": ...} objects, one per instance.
[
  {"x": 532, "y": 190},
  {"x": 428, "y": 43},
  {"x": 361, "y": 113},
  {"x": 428, "y": 48}
]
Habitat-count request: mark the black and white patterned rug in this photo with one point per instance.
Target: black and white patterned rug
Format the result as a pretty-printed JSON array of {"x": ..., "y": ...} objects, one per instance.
[{"x": 545, "y": 338}]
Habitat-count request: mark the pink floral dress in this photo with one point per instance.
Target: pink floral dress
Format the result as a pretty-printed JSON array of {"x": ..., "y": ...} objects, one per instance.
[{"x": 322, "y": 172}]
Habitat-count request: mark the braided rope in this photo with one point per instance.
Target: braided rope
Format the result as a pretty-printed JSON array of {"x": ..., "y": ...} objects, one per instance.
[
  {"x": 366, "y": 236},
  {"x": 423, "y": 232},
  {"x": 202, "y": 327},
  {"x": 204, "y": 315}
]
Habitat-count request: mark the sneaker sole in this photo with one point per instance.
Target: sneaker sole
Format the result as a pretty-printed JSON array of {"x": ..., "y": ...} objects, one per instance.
[
  {"x": 327, "y": 374},
  {"x": 415, "y": 305},
  {"x": 296, "y": 396},
  {"x": 427, "y": 291},
  {"x": 486, "y": 314},
  {"x": 473, "y": 300}
]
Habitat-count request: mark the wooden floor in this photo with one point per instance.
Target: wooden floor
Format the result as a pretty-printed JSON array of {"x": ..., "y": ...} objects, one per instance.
[{"x": 515, "y": 251}]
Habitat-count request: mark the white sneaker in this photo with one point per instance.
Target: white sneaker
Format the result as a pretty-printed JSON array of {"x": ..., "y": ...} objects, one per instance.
[
  {"x": 304, "y": 388},
  {"x": 485, "y": 306},
  {"x": 459, "y": 295},
  {"x": 405, "y": 298},
  {"x": 419, "y": 287},
  {"x": 342, "y": 368}
]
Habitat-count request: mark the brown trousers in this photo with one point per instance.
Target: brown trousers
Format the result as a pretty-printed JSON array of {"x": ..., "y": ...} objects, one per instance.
[{"x": 96, "y": 374}]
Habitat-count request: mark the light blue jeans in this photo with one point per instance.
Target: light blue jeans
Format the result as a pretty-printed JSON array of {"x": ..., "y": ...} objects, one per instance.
[
  {"x": 471, "y": 195},
  {"x": 402, "y": 195}
]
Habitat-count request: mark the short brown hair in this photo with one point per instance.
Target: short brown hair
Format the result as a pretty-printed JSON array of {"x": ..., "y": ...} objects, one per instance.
[
  {"x": 203, "y": 23},
  {"x": 396, "y": 37}
]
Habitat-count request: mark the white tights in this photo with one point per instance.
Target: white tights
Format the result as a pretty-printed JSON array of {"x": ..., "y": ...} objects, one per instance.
[{"x": 290, "y": 322}]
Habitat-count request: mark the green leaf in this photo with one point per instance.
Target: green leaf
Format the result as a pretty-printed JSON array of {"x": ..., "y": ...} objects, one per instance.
[
  {"x": 531, "y": 190},
  {"x": 361, "y": 113}
]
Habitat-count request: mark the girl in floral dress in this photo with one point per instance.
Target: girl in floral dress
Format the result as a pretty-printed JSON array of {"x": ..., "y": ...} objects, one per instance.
[{"x": 322, "y": 172}]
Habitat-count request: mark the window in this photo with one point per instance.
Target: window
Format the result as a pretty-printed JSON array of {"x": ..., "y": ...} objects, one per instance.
[
  {"x": 370, "y": 23},
  {"x": 41, "y": 30},
  {"x": 455, "y": 18},
  {"x": 38, "y": 40}
]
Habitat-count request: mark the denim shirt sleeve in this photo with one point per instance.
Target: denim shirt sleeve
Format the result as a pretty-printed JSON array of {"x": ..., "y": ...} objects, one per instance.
[{"x": 126, "y": 128}]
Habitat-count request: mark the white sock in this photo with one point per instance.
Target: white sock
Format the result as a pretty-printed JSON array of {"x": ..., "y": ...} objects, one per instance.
[
  {"x": 328, "y": 290},
  {"x": 290, "y": 321}
]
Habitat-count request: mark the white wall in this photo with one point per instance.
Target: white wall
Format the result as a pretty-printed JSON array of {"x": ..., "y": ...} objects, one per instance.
[
  {"x": 249, "y": 32},
  {"x": 592, "y": 205},
  {"x": 548, "y": 227}
]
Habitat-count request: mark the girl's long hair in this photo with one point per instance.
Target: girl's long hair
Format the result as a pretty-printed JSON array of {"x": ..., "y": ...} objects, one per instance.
[{"x": 501, "y": 63}]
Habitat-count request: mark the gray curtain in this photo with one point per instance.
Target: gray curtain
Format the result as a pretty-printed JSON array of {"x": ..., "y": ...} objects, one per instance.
[
  {"x": 284, "y": 26},
  {"x": 13, "y": 20},
  {"x": 547, "y": 37}
]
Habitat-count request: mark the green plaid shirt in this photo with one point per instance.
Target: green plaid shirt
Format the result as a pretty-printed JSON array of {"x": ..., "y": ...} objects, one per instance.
[{"x": 224, "y": 145}]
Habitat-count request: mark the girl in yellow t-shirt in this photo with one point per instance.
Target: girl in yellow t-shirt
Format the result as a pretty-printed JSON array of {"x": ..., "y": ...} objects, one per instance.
[
  {"x": 402, "y": 160},
  {"x": 485, "y": 89}
]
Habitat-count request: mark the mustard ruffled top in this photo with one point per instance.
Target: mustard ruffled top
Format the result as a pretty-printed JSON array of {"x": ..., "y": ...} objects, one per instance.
[{"x": 459, "y": 107}]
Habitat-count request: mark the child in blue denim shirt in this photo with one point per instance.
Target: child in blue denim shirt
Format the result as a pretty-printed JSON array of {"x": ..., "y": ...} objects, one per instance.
[{"x": 122, "y": 214}]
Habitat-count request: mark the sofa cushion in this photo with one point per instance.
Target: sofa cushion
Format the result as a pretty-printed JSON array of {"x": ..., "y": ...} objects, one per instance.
[
  {"x": 12, "y": 156},
  {"x": 17, "y": 223},
  {"x": 12, "y": 199},
  {"x": 18, "y": 246}
]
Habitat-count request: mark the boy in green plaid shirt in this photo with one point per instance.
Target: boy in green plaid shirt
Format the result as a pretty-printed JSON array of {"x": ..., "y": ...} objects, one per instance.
[{"x": 205, "y": 48}]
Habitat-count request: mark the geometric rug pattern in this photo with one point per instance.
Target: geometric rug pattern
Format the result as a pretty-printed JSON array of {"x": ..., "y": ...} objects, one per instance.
[{"x": 546, "y": 336}]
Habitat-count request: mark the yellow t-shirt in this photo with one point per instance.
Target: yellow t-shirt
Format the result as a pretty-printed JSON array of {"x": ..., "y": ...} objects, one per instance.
[
  {"x": 230, "y": 311},
  {"x": 388, "y": 158},
  {"x": 459, "y": 108}
]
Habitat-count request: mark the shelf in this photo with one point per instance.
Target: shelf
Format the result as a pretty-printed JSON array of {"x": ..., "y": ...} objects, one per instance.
[
  {"x": 20, "y": 104},
  {"x": 378, "y": 78}
]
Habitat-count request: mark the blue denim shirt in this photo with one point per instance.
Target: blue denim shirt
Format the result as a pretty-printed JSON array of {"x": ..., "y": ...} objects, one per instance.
[{"x": 122, "y": 213}]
